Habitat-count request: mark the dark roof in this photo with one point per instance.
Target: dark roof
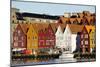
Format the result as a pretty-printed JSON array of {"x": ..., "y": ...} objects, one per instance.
[{"x": 44, "y": 16}]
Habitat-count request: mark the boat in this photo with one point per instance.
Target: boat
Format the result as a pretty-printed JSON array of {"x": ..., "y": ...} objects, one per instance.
[{"x": 66, "y": 54}]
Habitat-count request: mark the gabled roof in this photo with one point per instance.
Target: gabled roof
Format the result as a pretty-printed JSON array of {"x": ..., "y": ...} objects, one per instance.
[
  {"x": 63, "y": 27},
  {"x": 64, "y": 19},
  {"x": 79, "y": 19},
  {"x": 75, "y": 28},
  {"x": 24, "y": 27},
  {"x": 90, "y": 19},
  {"x": 40, "y": 26},
  {"x": 80, "y": 15},
  {"x": 54, "y": 26},
  {"x": 90, "y": 28},
  {"x": 72, "y": 20}
]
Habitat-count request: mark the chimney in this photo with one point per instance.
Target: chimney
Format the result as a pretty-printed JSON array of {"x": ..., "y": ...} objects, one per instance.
[{"x": 67, "y": 15}]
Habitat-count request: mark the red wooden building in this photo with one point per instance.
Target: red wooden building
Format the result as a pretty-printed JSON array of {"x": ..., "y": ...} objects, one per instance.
[
  {"x": 42, "y": 36},
  {"x": 19, "y": 37},
  {"x": 85, "y": 42},
  {"x": 50, "y": 37},
  {"x": 46, "y": 36}
]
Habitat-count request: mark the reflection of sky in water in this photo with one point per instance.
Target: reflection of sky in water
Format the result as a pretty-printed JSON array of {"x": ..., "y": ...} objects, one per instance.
[{"x": 54, "y": 61}]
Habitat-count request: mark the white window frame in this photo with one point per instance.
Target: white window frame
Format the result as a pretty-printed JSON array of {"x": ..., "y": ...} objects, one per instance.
[
  {"x": 82, "y": 36},
  {"x": 86, "y": 35},
  {"x": 19, "y": 31},
  {"x": 15, "y": 44},
  {"x": 22, "y": 44},
  {"x": 82, "y": 42},
  {"x": 86, "y": 42}
]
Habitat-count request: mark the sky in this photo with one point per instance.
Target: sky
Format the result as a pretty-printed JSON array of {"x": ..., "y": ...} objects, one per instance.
[{"x": 50, "y": 8}]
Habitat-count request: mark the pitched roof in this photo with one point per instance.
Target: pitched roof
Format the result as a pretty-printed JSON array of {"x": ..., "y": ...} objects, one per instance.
[
  {"x": 90, "y": 27},
  {"x": 39, "y": 26},
  {"x": 79, "y": 19},
  {"x": 90, "y": 19},
  {"x": 75, "y": 28},
  {"x": 54, "y": 26},
  {"x": 25, "y": 27},
  {"x": 64, "y": 19},
  {"x": 72, "y": 20},
  {"x": 63, "y": 26}
]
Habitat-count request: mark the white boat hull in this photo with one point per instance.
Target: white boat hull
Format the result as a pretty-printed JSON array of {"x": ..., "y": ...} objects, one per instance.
[{"x": 66, "y": 56}]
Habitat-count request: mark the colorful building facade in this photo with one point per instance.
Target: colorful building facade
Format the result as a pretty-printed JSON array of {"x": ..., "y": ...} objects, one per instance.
[{"x": 85, "y": 41}]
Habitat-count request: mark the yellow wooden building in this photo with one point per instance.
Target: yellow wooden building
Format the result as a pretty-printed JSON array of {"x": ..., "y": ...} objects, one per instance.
[
  {"x": 92, "y": 35},
  {"x": 32, "y": 38}
]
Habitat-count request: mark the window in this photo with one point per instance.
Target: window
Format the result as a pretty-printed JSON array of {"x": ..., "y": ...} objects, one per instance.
[
  {"x": 61, "y": 38},
  {"x": 86, "y": 36},
  {"x": 19, "y": 31},
  {"x": 92, "y": 41},
  {"x": 22, "y": 44},
  {"x": 82, "y": 42},
  {"x": 15, "y": 38},
  {"x": 15, "y": 44},
  {"x": 86, "y": 42},
  {"x": 22, "y": 38},
  {"x": 82, "y": 36},
  {"x": 68, "y": 49},
  {"x": 35, "y": 37},
  {"x": 84, "y": 31},
  {"x": 47, "y": 42},
  {"x": 41, "y": 42},
  {"x": 32, "y": 31},
  {"x": 53, "y": 43},
  {"x": 86, "y": 49},
  {"x": 13, "y": 21}
]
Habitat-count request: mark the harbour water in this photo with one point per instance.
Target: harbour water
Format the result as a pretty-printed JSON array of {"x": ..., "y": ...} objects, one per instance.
[{"x": 62, "y": 59}]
